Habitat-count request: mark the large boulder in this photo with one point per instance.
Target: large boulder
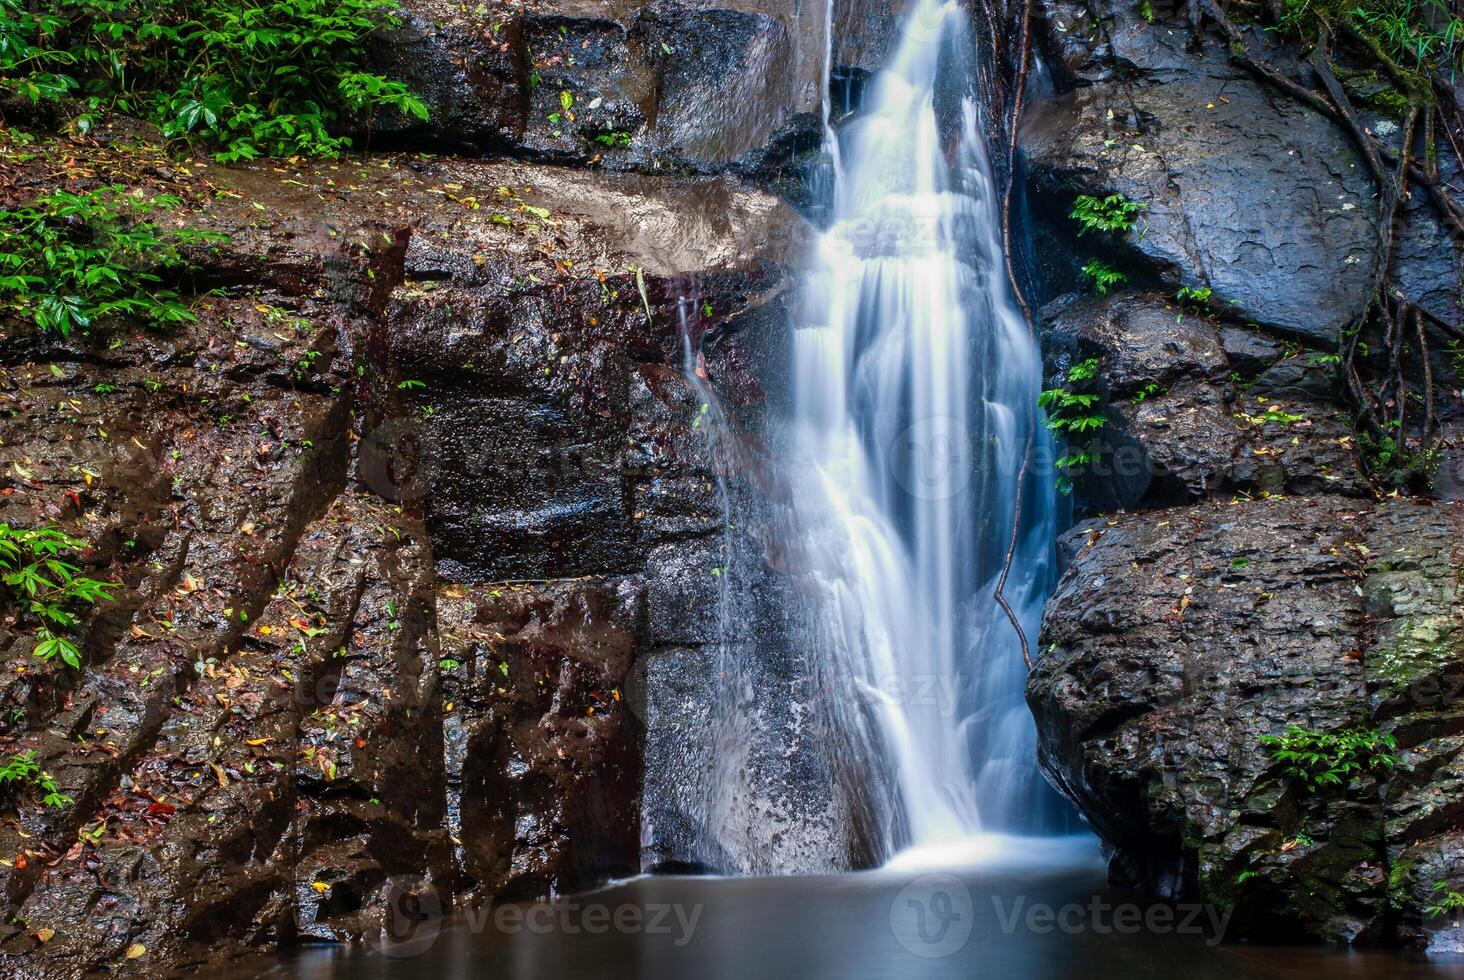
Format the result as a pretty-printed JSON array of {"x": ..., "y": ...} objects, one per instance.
[
  {"x": 1195, "y": 408},
  {"x": 1260, "y": 199},
  {"x": 694, "y": 86},
  {"x": 1170, "y": 647}
]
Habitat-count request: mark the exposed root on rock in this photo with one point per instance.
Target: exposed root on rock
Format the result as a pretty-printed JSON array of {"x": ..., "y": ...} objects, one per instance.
[{"x": 1384, "y": 359}]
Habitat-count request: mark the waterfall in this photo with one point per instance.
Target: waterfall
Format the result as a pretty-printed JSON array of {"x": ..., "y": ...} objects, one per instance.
[{"x": 916, "y": 381}]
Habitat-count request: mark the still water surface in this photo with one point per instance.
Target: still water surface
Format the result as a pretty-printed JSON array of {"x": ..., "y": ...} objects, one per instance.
[{"x": 1018, "y": 909}]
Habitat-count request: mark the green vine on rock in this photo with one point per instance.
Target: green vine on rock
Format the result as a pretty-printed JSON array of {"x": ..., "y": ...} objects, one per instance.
[{"x": 1073, "y": 412}]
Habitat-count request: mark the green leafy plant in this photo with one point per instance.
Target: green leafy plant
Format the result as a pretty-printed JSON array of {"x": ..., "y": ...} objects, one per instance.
[
  {"x": 1450, "y": 904},
  {"x": 1390, "y": 460},
  {"x": 34, "y": 569},
  {"x": 565, "y": 114},
  {"x": 1414, "y": 33},
  {"x": 1103, "y": 277},
  {"x": 1071, "y": 412},
  {"x": 1148, "y": 391},
  {"x": 22, "y": 769},
  {"x": 1105, "y": 214},
  {"x": 1321, "y": 759},
  {"x": 30, "y": 64},
  {"x": 73, "y": 261},
  {"x": 249, "y": 77},
  {"x": 615, "y": 139},
  {"x": 1195, "y": 297},
  {"x": 305, "y": 364}
]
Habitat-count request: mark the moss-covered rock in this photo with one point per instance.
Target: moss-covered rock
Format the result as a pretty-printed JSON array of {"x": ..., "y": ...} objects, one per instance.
[{"x": 1173, "y": 644}]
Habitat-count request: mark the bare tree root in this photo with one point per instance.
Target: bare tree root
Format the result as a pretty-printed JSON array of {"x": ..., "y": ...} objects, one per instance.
[
  {"x": 1400, "y": 322},
  {"x": 1019, "y": 88},
  {"x": 1381, "y": 407}
]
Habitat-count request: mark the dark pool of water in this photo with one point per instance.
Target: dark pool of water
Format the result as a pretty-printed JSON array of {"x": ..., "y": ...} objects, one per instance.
[{"x": 1031, "y": 909}]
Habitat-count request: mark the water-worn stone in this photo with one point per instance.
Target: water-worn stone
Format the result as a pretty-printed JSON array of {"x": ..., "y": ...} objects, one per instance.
[
  {"x": 692, "y": 86},
  {"x": 1252, "y": 195},
  {"x": 312, "y": 497},
  {"x": 543, "y": 761},
  {"x": 740, "y": 771},
  {"x": 1171, "y": 646},
  {"x": 1183, "y": 423}
]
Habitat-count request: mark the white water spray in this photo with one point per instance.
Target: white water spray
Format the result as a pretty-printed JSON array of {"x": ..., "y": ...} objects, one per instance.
[{"x": 916, "y": 381}]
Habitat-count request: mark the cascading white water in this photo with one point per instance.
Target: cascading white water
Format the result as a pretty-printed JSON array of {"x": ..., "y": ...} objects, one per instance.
[{"x": 916, "y": 382}]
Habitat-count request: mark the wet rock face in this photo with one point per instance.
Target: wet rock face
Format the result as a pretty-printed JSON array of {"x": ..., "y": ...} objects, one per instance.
[
  {"x": 697, "y": 87},
  {"x": 556, "y": 439},
  {"x": 249, "y": 748},
  {"x": 1256, "y": 590},
  {"x": 469, "y": 69},
  {"x": 549, "y": 412},
  {"x": 542, "y": 762},
  {"x": 740, "y": 774},
  {"x": 864, "y": 32},
  {"x": 1263, "y": 201},
  {"x": 324, "y": 679},
  {"x": 1194, "y": 408},
  {"x": 1170, "y": 647}
]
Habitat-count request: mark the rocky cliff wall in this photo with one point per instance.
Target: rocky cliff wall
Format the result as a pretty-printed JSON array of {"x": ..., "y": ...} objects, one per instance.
[{"x": 1240, "y": 562}]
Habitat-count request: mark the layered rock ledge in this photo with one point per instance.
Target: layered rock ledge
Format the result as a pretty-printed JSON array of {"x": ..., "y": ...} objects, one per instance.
[{"x": 393, "y": 523}]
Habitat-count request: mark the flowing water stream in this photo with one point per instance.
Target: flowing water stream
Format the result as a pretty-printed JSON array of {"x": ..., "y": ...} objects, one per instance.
[{"x": 915, "y": 381}]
